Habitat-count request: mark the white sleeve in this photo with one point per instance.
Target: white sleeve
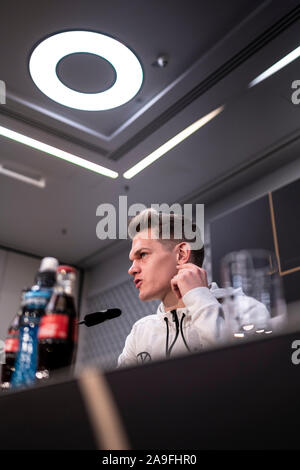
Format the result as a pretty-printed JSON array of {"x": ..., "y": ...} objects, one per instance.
[
  {"x": 207, "y": 315},
  {"x": 128, "y": 355}
]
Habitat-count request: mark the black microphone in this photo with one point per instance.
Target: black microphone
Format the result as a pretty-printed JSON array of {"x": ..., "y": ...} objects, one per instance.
[{"x": 95, "y": 318}]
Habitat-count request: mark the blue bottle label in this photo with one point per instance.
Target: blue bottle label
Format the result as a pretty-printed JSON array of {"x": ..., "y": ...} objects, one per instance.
[{"x": 26, "y": 362}]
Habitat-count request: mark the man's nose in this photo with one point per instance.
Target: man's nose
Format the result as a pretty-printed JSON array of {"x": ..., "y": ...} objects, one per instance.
[{"x": 133, "y": 269}]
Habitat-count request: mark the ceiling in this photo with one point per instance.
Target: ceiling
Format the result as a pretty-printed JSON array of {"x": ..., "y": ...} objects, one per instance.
[{"x": 214, "y": 49}]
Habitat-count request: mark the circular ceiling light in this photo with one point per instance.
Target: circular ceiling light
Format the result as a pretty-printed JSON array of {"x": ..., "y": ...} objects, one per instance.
[{"x": 46, "y": 56}]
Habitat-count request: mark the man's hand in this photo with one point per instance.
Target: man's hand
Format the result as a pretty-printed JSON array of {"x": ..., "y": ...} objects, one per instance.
[{"x": 188, "y": 277}]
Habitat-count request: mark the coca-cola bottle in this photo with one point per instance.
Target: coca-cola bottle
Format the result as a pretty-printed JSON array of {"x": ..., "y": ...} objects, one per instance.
[
  {"x": 12, "y": 345},
  {"x": 58, "y": 330}
]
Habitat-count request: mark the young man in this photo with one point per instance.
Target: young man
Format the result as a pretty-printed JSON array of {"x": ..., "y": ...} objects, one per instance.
[{"x": 189, "y": 317}]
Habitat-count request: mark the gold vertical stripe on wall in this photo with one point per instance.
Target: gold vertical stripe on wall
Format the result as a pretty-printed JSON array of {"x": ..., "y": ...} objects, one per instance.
[
  {"x": 103, "y": 413},
  {"x": 275, "y": 239}
]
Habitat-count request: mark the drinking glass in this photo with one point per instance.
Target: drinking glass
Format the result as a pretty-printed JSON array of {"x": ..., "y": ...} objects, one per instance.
[{"x": 253, "y": 303}]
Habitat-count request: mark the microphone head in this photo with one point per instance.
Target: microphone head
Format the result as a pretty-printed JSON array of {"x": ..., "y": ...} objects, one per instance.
[{"x": 98, "y": 317}]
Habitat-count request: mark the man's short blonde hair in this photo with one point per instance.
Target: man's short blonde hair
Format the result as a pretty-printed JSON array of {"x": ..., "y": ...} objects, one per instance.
[{"x": 168, "y": 228}]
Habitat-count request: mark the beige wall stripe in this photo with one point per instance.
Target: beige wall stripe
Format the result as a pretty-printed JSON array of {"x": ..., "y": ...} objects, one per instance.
[
  {"x": 290, "y": 271},
  {"x": 274, "y": 231},
  {"x": 104, "y": 416}
]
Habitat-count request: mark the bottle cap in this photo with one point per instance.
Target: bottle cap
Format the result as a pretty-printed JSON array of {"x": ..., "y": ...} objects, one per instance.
[
  {"x": 67, "y": 269},
  {"x": 48, "y": 264}
]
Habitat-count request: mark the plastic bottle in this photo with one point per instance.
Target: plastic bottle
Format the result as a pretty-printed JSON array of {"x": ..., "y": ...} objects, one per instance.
[
  {"x": 58, "y": 329},
  {"x": 26, "y": 362},
  {"x": 12, "y": 345}
]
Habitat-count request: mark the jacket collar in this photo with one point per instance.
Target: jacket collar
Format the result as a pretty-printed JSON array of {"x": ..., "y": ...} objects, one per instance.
[{"x": 161, "y": 311}]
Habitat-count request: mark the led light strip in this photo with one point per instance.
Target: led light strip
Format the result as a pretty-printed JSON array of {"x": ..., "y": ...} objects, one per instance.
[
  {"x": 286, "y": 60},
  {"x": 55, "y": 152},
  {"x": 167, "y": 146},
  {"x": 41, "y": 183}
]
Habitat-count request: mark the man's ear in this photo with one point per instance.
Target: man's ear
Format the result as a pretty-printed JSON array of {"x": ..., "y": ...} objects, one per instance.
[{"x": 183, "y": 252}]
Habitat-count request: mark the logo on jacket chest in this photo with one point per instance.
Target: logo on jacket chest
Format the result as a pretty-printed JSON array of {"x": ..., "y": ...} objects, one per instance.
[{"x": 143, "y": 357}]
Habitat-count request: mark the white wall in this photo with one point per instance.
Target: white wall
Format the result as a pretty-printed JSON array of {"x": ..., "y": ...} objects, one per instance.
[
  {"x": 110, "y": 272},
  {"x": 16, "y": 272}
]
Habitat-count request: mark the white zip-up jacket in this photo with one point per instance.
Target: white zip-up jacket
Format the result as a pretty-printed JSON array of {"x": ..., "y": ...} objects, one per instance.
[{"x": 202, "y": 323}]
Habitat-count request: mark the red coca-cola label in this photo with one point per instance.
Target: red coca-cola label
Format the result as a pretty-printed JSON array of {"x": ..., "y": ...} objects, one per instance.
[
  {"x": 54, "y": 326},
  {"x": 11, "y": 345}
]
